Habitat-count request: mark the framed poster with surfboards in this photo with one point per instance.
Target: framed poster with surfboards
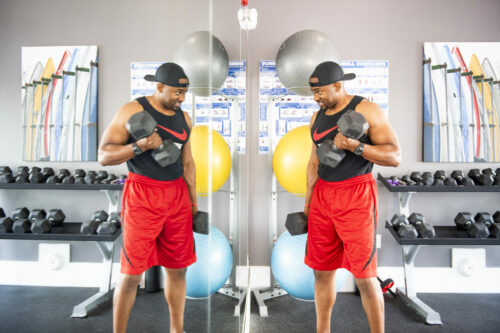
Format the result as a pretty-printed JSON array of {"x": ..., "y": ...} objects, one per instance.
[
  {"x": 461, "y": 102},
  {"x": 59, "y": 103}
]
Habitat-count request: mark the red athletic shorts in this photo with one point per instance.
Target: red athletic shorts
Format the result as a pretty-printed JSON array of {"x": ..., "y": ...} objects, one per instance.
[
  {"x": 157, "y": 224},
  {"x": 342, "y": 223}
]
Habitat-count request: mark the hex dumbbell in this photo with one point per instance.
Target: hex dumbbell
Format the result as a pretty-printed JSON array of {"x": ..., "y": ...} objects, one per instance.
[{"x": 353, "y": 125}]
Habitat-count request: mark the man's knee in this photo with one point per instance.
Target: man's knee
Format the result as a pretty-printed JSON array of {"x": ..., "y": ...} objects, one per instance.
[
  {"x": 324, "y": 276},
  {"x": 176, "y": 273},
  {"x": 129, "y": 282},
  {"x": 369, "y": 287}
]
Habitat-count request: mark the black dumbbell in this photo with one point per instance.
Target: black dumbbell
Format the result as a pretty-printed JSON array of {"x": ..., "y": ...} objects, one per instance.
[
  {"x": 424, "y": 230},
  {"x": 21, "y": 226},
  {"x": 200, "y": 223},
  {"x": 481, "y": 178},
  {"x": 101, "y": 175},
  {"x": 6, "y": 175},
  {"x": 141, "y": 125},
  {"x": 6, "y": 224},
  {"x": 353, "y": 125},
  {"x": 37, "y": 214},
  {"x": 296, "y": 223},
  {"x": 440, "y": 174},
  {"x": 56, "y": 179},
  {"x": 496, "y": 180},
  {"x": 56, "y": 217},
  {"x": 20, "y": 213},
  {"x": 22, "y": 175},
  {"x": 37, "y": 177},
  {"x": 464, "y": 221},
  {"x": 90, "y": 227},
  {"x": 110, "y": 226},
  {"x": 111, "y": 177},
  {"x": 41, "y": 226},
  {"x": 408, "y": 181},
  {"x": 404, "y": 230},
  {"x": 79, "y": 176},
  {"x": 2, "y": 212},
  {"x": 427, "y": 178},
  {"x": 439, "y": 178},
  {"x": 90, "y": 177},
  {"x": 461, "y": 179}
]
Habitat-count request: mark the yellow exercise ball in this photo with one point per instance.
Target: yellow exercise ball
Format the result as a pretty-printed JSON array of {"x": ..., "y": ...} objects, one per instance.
[
  {"x": 290, "y": 160},
  {"x": 220, "y": 159}
]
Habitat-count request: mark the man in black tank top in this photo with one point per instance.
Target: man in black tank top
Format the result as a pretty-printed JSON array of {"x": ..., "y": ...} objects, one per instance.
[
  {"x": 158, "y": 202},
  {"x": 341, "y": 202}
]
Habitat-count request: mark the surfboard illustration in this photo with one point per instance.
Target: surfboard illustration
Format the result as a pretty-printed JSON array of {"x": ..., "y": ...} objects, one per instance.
[
  {"x": 65, "y": 150},
  {"x": 45, "y": 152},
  {"x": 89, "y": 129},
  {"x": 41, "y": 115},
  {"x": 484, "y": 101},
  {"x": 431, "y": 118},
  {"x": 29, "y": 96},
  {"x": 478, "y": 140},
  {"x": 495, "y": 96},
  {"x": 83, "y": 79},
  {"x": 455, "y": 138},
  {"x": 57, "y": 115},
  {"x": 460, "y": 118},
  {"x": 437, "y": 77},
  {"x": 40, "y": 95}
]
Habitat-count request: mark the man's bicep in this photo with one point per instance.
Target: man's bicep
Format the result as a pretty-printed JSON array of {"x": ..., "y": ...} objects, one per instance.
[{"x": 381, "y": 132}]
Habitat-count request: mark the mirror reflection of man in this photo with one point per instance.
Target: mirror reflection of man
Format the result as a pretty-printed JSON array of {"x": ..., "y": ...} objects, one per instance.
[
  {"x": 158, "y": 202},
  {"x": 341, "y": 202}
]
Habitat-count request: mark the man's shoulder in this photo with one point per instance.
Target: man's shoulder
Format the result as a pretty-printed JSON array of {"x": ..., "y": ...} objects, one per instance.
[{"x": 369, "y": 109}]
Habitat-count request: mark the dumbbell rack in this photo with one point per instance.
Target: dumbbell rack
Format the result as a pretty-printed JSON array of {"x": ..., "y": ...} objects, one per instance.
[
  {"x": 71, "y": 232},
  {"x": 445, "y": 235}
]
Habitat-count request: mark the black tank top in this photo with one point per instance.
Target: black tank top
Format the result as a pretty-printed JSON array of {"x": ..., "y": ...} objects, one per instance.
[
  {"x": 174, "y": 128},
  {"x": 325, "y": 127}
]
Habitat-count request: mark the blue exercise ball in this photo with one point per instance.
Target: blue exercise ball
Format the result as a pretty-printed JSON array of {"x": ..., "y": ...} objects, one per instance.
[
  {"x": 289, "y": 269},
  {"x": 213, "y": 265}
]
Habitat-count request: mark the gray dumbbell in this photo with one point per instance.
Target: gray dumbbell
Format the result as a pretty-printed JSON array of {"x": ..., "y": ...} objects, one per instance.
[
  {"x": 352, "y": 124},
  {"x": 404, "y": 230},
  {"x": 141, "y": 125},
  {"x": 296, "y": 223},
  {"x": 465, "y": 221},
  {"x": 424, "y": 230}
]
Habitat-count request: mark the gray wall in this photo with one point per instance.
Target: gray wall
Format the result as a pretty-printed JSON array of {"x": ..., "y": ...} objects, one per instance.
[{"x": 148, "y": 30}]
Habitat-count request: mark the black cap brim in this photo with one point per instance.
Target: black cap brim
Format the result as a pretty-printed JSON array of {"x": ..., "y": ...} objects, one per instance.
[
  {"x": 348, "y": 76},
  {"x": 150, "y": 78}
]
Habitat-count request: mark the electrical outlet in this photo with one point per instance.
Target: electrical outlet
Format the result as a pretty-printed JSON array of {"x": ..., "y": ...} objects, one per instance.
[
  {"x": 378, "y": 241},
  {"x": 468, "y": 262},
  {"x": 54, "y": 256}
]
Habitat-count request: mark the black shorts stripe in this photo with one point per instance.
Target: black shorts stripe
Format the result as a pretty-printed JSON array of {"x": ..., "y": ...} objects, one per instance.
[
  {"x": 374, "y": 237},
  {"x": 123, "y": 246}
]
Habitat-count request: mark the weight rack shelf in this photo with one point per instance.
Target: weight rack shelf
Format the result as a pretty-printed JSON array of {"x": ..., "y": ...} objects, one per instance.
[
  {"x": 445, "y": 235},
  {"x": 459, "y": 188},
  {"x": 93, "y": 187},
  {"x": 70, "y": 231}
]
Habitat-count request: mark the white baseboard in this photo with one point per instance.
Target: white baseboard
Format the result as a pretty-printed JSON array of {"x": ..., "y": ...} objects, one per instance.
[{"x": 427, "y": 279}]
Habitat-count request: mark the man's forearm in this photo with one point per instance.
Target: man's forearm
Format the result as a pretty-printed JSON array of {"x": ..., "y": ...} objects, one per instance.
[
  {"x": 114, "y": 154},
  {"x": 385, "y": 154},
  {"x": 312, "y": 178},
  {"x": 190, "y": 179}
]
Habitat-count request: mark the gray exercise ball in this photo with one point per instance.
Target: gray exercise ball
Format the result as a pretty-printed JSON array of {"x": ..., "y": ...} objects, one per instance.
[
  {"x": 193, "y": 54},
  {"x": 299, "y": 55}
]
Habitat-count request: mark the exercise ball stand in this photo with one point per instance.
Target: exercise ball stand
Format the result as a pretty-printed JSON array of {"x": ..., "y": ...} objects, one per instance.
[
  {"x": 261, "y": 295},
  {"x": 230, "y": 289}
]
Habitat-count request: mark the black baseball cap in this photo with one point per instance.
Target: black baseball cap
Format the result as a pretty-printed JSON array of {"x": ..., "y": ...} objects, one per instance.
[
  {"x": 329, "y": 72},
  {"x": 168, "y": 73}
]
